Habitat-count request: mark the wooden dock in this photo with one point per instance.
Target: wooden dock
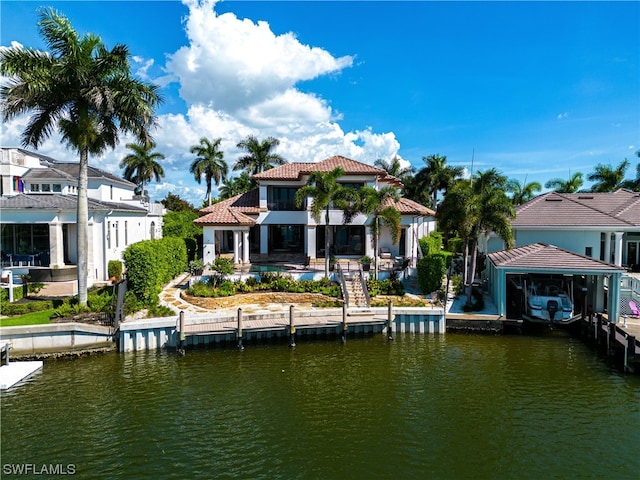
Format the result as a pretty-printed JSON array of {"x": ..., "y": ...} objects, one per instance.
[{"x": 619, "y": 341}]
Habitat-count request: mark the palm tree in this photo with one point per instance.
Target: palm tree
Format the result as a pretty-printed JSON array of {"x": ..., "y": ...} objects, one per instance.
[
  {"x": 84, "y": 91},
  {"x": 209, "y": 162},
  {"x": 141, "y": 165},
  {"x": 236, "y": 185},
  {"x": 324, "y": 189},
  {"x": 393, "y": 167},
  {"x": 608, "y": 179},
  {"x": 489, "y": 210},
  {"x": 634, "y": 185},
  {"x": 380, "y": 205},
  {"x": 259, "y": 157},
  {"x": 522, "y": 192},
  {"x": 566, "y": 186},
  {"x": 437, "y": 176},
  {"x": 452, "y": 217}
]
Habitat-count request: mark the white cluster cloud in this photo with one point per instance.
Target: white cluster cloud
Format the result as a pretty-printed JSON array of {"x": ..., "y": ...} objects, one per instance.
[{"x": 237, "y": 77}]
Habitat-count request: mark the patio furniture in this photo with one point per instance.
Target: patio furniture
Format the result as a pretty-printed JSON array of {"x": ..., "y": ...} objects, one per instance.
[
  {"x": 635, "y": 311},
  {"x": 385, "y": 252}
]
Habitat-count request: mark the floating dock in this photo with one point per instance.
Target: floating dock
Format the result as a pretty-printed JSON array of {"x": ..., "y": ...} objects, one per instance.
[{"x": 14, "y": 372}]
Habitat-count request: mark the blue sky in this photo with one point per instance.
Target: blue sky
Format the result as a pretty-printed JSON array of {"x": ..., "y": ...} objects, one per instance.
[{"x": 539, "y": 90}]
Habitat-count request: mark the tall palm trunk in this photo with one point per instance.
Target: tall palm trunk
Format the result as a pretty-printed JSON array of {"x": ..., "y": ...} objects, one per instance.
[
  {"x": 326, "y": 243},
  {"x": 472, "y": 271},
  {"x": 83, "y": 227}
]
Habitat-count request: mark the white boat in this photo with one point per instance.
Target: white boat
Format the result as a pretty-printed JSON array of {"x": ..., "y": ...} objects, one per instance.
[{"x": 547, "y": 301}]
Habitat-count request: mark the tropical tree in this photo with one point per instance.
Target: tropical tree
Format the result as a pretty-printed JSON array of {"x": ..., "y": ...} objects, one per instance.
[
  {"x": 522, "y": 192},
  {"x": 141, "y": 165},
  {"x": 608, "y": 179},
  {"x": 394, "y": 167},
  {"x": 474, "y": 209},
  {"x": 324, "y": 189},
  {"x": 436, "y": 176},
  {"x": 209, "y": 163},
  {"x": 259, "y": 155},
  {"x": 490, "y": 210},
  {"x": 634, "y": 185},
  {"x": 85, "y": 92},
  {"x": 572, "y": 185},
  {"x": 236, "y": 185},
  {"x": 174, "y": 203},
  {"x": 379, "y": 204}
]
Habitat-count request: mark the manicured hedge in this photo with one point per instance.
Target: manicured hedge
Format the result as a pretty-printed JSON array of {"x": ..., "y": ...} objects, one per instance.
[
  {"x": 153, "y": 263},
  {"x": 431, "y": 270}
]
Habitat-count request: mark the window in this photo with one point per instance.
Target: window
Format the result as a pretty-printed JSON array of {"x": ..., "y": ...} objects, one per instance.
[
  {"x": 108, "y": 234},
  {"x": 35, "y": 187},
  {"x": 286, "y": 238},
  {"x": 349, "y": 240},
  {"x": 56, "y": 187},
  {"x": 281, "y": 198},
  {"x": 115, "y": 233},
  {"x": 355, "y": 185},
  {"x": 588, "y": 251},
  {"x": 46, "y": 187},
  {"x": 152, "y": 230},
  {"x": 126, "y": 233}
]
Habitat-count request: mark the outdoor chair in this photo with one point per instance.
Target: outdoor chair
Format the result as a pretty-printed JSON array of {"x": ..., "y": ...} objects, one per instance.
[
  {"x": 385, "y": 252},
  {"x": 635, "y": 311}
]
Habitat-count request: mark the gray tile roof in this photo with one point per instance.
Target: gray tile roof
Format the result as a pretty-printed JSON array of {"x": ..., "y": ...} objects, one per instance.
[
  {"x": 541, "y": 256},
  {"x": 58, "y": 201},
  {"x": 619, "y": 209}
]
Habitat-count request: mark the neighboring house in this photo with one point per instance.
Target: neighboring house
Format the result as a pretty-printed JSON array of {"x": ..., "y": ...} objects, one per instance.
[
  {"x": 592, "y": 238},
  {"x": 265, "y": 223},
  {"x": 38, "y": 205},
  {"x": 604, "y": 226}
]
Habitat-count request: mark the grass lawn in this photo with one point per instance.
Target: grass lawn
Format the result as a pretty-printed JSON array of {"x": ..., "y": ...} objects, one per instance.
[{"x": 33, "y": 318}]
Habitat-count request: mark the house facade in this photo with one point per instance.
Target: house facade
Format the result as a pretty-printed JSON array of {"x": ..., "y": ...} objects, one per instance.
[
  {"x": 265, "y": 223},
  {"x": 603, "y": 226},
  {"x": 38, "y": 205}
]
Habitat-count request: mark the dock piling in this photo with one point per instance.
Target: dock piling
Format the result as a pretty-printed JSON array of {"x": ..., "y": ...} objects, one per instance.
[
  {"x": 240, "y": 346},
  {"x": 182, "y": 334},
  {"x": 390, "y": 320},
  {"x": 292, "y": 328},
  {"x": 344, "y": 323}
]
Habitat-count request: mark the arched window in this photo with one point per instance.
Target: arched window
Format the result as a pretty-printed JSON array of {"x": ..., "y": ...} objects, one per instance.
[{"x": 152, "y": 232}]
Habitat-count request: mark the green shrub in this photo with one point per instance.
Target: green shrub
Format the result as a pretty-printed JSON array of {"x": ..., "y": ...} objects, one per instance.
[
  {"x": 114, "y": 269},
  {"x": 160, "y": 311},
  {"x": 100, "y": 301},
  {"x": 431, "y": 271},
  {"x": 153, "y": 263},
  {"x": 431, "y": 244},
  {"x": 223, "y": 265}
]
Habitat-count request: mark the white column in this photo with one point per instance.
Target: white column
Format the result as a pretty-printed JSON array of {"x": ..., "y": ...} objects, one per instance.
[
  {"x": 236, "y": 247},
  {"x": 245, "y": 246},
  {"x": 56, "y": 249},
  {"x": 607, "y": 247},
  {"x": 311, "y": 241},
  {"x": 618, "y": 248}
]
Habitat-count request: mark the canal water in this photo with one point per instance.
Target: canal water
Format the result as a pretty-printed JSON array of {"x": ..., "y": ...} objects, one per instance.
[{"x": 452, "y": 406}]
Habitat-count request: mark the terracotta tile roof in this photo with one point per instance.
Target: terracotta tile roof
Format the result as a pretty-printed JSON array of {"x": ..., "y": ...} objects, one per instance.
[
  {"x": 541, "y": 256},
  {"x": 618, "y": 209},
  {"x": 295, "y": 170},
  {"x": 409, "y": 207},
  {"x": 233, "y": 211}
]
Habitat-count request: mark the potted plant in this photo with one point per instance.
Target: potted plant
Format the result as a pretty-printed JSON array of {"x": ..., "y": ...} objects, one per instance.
[
  {"x": 365, "y": 261},
  {"x": 196, "y": 267}
]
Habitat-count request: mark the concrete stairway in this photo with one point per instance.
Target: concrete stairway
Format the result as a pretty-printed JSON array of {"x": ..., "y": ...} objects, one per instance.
[{"x": 356, "y": 290}]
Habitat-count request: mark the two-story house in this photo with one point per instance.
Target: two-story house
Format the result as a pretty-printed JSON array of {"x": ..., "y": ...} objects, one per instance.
[
  {"x": 265, "y": 223},
  {"x": 38, "y": 205}
]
